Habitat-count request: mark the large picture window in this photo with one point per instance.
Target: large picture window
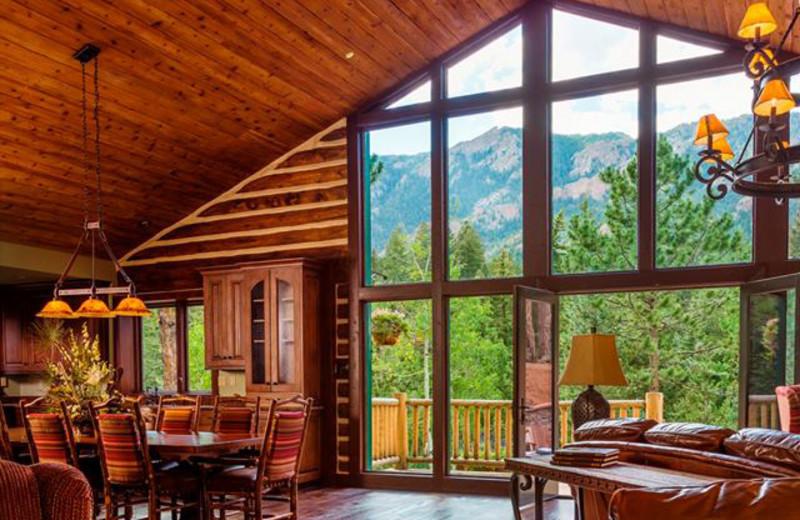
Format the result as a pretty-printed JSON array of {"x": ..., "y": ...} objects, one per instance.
[{"x": 551, "y": 158}]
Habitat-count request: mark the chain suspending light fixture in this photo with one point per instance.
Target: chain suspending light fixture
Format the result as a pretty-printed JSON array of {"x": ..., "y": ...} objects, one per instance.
[
  {"x": 93, "y": 307},
  {"x": 771, "y": 100}
]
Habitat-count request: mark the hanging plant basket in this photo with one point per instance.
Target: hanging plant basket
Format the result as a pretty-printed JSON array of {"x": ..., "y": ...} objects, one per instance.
[{"x": 387, "y": 327}]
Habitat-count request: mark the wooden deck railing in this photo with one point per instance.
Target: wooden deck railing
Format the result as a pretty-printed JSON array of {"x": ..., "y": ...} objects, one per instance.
[
  {"x": 481, "y": 430},
  {"x": 762, "y": 412}
]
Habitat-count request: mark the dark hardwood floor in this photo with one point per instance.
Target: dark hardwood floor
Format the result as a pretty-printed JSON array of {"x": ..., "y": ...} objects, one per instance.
[{"x": 363, "y": 504}]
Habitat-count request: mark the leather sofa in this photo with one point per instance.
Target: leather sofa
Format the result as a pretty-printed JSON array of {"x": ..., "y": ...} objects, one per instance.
[
  {"x": 773, "y": 499},
  {"x": 750, "y": 455},
  {"x": 47, "y": 491}
]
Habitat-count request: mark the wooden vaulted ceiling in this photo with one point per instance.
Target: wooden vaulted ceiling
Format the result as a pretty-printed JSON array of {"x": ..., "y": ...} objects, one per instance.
[
  {"x": 198, "y": 94},
  {"x": 195, "y": 95}
]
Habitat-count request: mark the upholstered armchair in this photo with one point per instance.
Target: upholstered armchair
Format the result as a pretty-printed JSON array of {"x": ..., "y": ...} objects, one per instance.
[
  {"x": 48, "y": 491},
  {"x": 789, "y": 407},
  {"x": 775, "y": 499}
]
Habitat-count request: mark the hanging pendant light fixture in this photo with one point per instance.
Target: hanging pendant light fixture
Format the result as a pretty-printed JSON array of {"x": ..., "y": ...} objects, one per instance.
[
  {"x": 93, "y": 307},
  {"x": 767, "y": 172}
]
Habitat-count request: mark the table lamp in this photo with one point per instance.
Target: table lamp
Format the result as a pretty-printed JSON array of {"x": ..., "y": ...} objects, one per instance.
[{"x": 592, "y": 361}]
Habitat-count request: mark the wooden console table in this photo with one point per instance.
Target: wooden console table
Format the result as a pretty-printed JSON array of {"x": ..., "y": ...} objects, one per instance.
[{"x": 535, "y": 471}]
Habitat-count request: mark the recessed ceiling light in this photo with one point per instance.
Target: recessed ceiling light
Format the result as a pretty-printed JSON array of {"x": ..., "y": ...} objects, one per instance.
[{"x": 349, "y": 55}]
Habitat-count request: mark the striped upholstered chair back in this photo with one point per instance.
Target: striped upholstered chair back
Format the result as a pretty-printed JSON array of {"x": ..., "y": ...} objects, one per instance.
[
  {"x": 178, "y": 414},
  {"x": 283, "y": 442},
  {"x": 49, "y": 432},
  {"x": 236, "y": 414},
  {"x": 122, "y": 444}
]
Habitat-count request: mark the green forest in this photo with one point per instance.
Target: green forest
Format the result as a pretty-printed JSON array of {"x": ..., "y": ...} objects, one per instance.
[
  {"x": 668, "y": 340},
  {"x": 159, "y": 350}
]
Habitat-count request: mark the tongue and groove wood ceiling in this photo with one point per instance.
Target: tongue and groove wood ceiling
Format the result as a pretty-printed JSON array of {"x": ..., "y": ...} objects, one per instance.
[{"x": 198, "y": 94}]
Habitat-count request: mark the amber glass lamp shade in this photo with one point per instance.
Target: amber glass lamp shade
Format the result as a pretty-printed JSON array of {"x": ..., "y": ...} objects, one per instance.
[
  {"x": 709, "y": 124},
  {"x": 724, "y": 149},
  {"x": 57, "y": 309},
  {"x": 94, "y": 308},
  {"x": 775, "y": 95},
  {"x": 758, "y": 22},
  {"x": 132, "y": 306}
]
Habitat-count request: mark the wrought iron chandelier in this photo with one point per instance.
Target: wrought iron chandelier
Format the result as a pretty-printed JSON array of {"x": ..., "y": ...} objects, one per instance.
[
  {"x": 771, "y": 100},
  {"x": 93, "y": 307}
]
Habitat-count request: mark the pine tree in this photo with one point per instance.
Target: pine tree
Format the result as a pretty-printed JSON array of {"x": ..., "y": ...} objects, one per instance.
[
  {"x": 395, "y": 265},
  {"x": 468, "y": 253}
]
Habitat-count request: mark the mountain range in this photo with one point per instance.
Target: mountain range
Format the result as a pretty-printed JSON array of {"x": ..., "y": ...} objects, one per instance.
[{"x": 485, "y": 184}]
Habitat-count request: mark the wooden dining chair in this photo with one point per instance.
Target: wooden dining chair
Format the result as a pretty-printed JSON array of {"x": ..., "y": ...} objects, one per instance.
[
  {"x": 236, "y": 414},
  {"x": 6, "y": 450},
  {"x": 274, "y": 477},
  {"x": 49, "y": 431},
  {"x": 130, "y": 477},
  {"x": 178, "y": 414}
]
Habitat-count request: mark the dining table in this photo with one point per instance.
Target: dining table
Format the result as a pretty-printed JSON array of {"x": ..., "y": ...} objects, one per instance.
[{"x": 173, "y": 446}]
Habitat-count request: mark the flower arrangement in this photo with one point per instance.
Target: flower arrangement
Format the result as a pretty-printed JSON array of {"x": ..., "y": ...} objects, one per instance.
[
  {"x": 77, "y": 373},
  {"x": 386, "y": 327}
]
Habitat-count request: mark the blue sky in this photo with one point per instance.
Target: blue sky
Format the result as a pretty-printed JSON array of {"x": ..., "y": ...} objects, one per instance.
[{"x": 581, "y": 46}]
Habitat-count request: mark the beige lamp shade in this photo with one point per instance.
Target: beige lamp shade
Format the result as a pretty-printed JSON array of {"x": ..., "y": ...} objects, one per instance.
[
  {"x": 758, "y": 20},
  {"x": 774, "y": 95},
  {"x": 709, "y": 124},
  {"x": 724, "y": 149},
  {"x": 593, "y": 360}
]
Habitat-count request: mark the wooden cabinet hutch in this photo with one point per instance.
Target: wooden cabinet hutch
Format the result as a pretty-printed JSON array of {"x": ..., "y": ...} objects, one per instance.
[{"x": 264, "y": 318}]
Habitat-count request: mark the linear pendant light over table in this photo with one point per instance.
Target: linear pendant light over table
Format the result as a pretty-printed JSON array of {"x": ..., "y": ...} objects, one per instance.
[{"x": 93, "y": 307}]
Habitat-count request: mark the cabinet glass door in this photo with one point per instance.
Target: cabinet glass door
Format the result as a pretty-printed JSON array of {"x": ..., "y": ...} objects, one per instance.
[
  {"x": 258, "y": 351},
  {"x": 285, "y": 332}
]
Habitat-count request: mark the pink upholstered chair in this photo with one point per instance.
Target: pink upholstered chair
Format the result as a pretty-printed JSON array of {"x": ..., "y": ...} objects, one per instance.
[{"x": 789, "y": 407}]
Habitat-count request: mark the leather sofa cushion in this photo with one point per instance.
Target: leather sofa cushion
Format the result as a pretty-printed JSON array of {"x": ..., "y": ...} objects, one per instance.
[
  {"x": 695, "y": 436},
  {"x": 772, "y": 446},
  {"x": 629, "y": 430},
  {"x": 730, "y": 500}
]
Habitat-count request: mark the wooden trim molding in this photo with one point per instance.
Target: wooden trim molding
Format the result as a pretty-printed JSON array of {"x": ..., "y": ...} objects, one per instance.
[{"x": 301, "y": 185}]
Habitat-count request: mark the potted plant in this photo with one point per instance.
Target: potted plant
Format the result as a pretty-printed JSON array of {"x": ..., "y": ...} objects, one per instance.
[
  {"x": 77, "y": 375},
  {"x": 386, "y": 327}
]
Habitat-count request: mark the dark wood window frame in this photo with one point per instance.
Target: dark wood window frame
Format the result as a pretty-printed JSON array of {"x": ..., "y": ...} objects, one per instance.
[
  {"x": 182, "y": 340},
  {"x": 769, "y": 257}
]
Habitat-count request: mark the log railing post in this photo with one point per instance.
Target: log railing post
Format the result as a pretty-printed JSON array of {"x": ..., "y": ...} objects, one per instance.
[
  {"x": 654, "y": 406},
  {"x": 402, "y": 431}
]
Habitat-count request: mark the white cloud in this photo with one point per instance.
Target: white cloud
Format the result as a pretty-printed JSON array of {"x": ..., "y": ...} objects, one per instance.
[
  {"x": 583, "y": 46},
  {"x": 726, "y": 96},
  {"x": 616, "y": 112},
  {"x": 495, "y": 66},
  {"x": 670, "y": 49}
]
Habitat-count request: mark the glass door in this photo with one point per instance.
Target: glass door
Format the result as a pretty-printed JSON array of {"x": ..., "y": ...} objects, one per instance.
[
  {"x": 284, "y": 366},
  {"x": 768, "y": 347},
  {"x": 536, "y": 370}
]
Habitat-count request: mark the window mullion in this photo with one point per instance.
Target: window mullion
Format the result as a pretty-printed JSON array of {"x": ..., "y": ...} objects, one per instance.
[
  {"x": 646, "y": 159},
  {"x": 439, "y": 274}
]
